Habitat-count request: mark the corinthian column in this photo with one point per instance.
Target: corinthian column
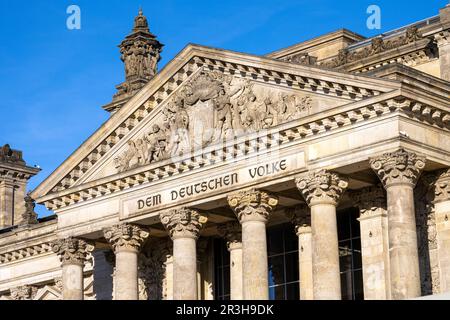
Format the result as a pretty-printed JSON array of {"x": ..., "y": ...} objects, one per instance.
[
  {"x": 301, "y": 219},
  {"x": 371, "y": 202},
  {"x": 440, "y": 190},
  {"x": 399, "y": 172},
  {"x": 183, "y": 226},
  {"x": 322, "y": 191},
  {"x": 73, "y": 253},
  {"x": 232, "y": 232},
  {"x": 253, "y": 209},
  {"x": 126, "y": 240}
]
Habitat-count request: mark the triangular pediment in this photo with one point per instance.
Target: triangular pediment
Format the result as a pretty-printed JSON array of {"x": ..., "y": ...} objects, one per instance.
[{"x": 201, "y": 98}]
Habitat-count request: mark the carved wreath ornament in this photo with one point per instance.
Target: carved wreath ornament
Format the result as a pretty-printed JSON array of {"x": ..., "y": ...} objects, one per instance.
[{"x": 210, "y": 108}]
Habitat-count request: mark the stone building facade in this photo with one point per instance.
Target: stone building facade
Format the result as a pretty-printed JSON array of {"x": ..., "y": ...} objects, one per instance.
[{"x": 319, "y": 171}]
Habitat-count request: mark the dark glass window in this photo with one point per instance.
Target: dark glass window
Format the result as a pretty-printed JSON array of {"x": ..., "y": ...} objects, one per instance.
[
  {"x": 222, "y": 270},
  {"x": 350, "y": 254}
]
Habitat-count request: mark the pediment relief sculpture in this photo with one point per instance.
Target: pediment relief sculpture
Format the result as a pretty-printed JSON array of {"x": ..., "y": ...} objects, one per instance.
[{"x": 212, "y": 107}]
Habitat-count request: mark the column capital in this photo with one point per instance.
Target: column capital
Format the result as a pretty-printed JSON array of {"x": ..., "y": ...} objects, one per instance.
[
  {"x": 183, "y": 222},
  {"x": 439, "y": 185},
  {"x": 232, "y": 232},
  {"x": 26, "y": 292},
  {"x": 442, "y": 38},
  {"x": 300, "y": 217},
  {"x": 252, "y": 205},
  {"x": 72, "y": 250},
  {"x": 369, "y": 200},
  {"x": 321, "y": 187},
  {"x": 126, "y": 237},
  {"x": 398, "y": 168}
]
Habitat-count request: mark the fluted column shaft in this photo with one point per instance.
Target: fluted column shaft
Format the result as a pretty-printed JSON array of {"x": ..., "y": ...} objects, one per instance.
[
  {"x": 126, "y": 240},
  {"x": 253, "y": 209},
  {"x": 233, "y": 234},
  {"x": 184, "y": 227},
  {"x": 399, "y": 172},
  {"x": 322, "y": 191},
  {"x": 72, "y": 253}
]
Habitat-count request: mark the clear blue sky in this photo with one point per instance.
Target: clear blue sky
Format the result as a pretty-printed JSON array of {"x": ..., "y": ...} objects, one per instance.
[{"x": 53, "y": 81}]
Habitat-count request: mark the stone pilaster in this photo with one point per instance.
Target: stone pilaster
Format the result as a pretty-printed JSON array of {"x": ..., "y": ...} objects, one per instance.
[
  {"x": 440, "y": 191},
  {"x": 322, "y": 191},
  {"x": 399, "y": 172},
  {"x": 73, "y": 253},
  {"x": 232, "y": 232},
  {"x": 301, "y": 219},
  {"x": 371, "y": 202},
  {"x": 253, "y": 208},
  {"x": 443, "y": 42},
  {"x": 184, "y": 226},
  {"x": 126, "y": 241}
]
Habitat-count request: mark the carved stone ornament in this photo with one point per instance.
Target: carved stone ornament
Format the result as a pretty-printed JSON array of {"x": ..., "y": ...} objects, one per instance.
[
  {"x": 126, "y": 237},
  {"x": 302, "y": 58},
  {"x": 321, "y": 187},
  {"x": 72, "y": 250},
  {"x": 23, "y": 293},
  {"x": 29, "y": 216},
  {"x": 232, "y": 232},
  {"x": 399, "y": 167},
  {"x": 210, "y": 108},
  {"x": 377, "y": 45},
  {"x": 369, "y": 200},
  {"x": 439, "y": 185},
  {"x": 300, "y": 217},
  {"x": 252, "y": 205},
  {"x": 183, "y": 222}
]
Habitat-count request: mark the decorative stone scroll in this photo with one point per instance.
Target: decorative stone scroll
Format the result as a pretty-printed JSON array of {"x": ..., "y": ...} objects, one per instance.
[
  {"x": 378, "y": 45},
  {"x": 210, "y": 108},
  {"x": 299, "y": 216},
  {"x": 399, "y": 167},
  {"x": 72, "y": 250},
  {"x": 126, "y": 236},
  {"x": 183, "y": 223},
  {"x": 232, "y": 232},
  {"x": 252, "y": 205},
  {"x": 321, "y": 187}
]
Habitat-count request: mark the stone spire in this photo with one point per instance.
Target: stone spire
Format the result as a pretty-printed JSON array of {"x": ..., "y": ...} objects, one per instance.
[{"x": 140, "y": 53}]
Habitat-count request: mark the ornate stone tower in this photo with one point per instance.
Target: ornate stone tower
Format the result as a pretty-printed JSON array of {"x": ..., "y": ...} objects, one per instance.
[
  {"x": 15, "y": 207},
  {"x": 140, "y": 53}
]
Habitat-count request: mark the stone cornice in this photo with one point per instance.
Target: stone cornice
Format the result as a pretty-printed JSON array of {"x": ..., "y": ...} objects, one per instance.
[
  {"x": 26, "y": 252},
  {"x": 126, "y": 236},
  {"x": 252, "y": 205},
  {"x": 185, "y": 64},
  {"x": 183, "y": 222},
  {"x": 298, "y": 131},
  {"x": 398, "y": 168},
  {"x": 321, "y": 187}
]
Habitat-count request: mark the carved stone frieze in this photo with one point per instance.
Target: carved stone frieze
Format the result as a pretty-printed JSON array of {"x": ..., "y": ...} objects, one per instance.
[
  {"x": 211, "y": 107},
  {"x": 377, "y": 45},
  {"x": 398, "y": 167},
  {"x": 302, "y": 58},
  {"x": 232, "y": 233},
  {"x": 252, "y": 205},
  {"x": 321, "y": 187},
  {"x": 72, "y": 250},
  {"x": 126, "y": 236},
  {"x": 369, "y": 200},
  {"x": 183, "y": 222}
]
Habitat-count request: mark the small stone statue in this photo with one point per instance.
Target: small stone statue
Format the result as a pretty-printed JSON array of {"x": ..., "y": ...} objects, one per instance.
[{"x": 29, "y": 216}]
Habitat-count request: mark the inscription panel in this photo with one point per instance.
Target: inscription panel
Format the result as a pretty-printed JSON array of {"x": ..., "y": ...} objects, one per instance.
[{"x": 259, "y": 171}]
